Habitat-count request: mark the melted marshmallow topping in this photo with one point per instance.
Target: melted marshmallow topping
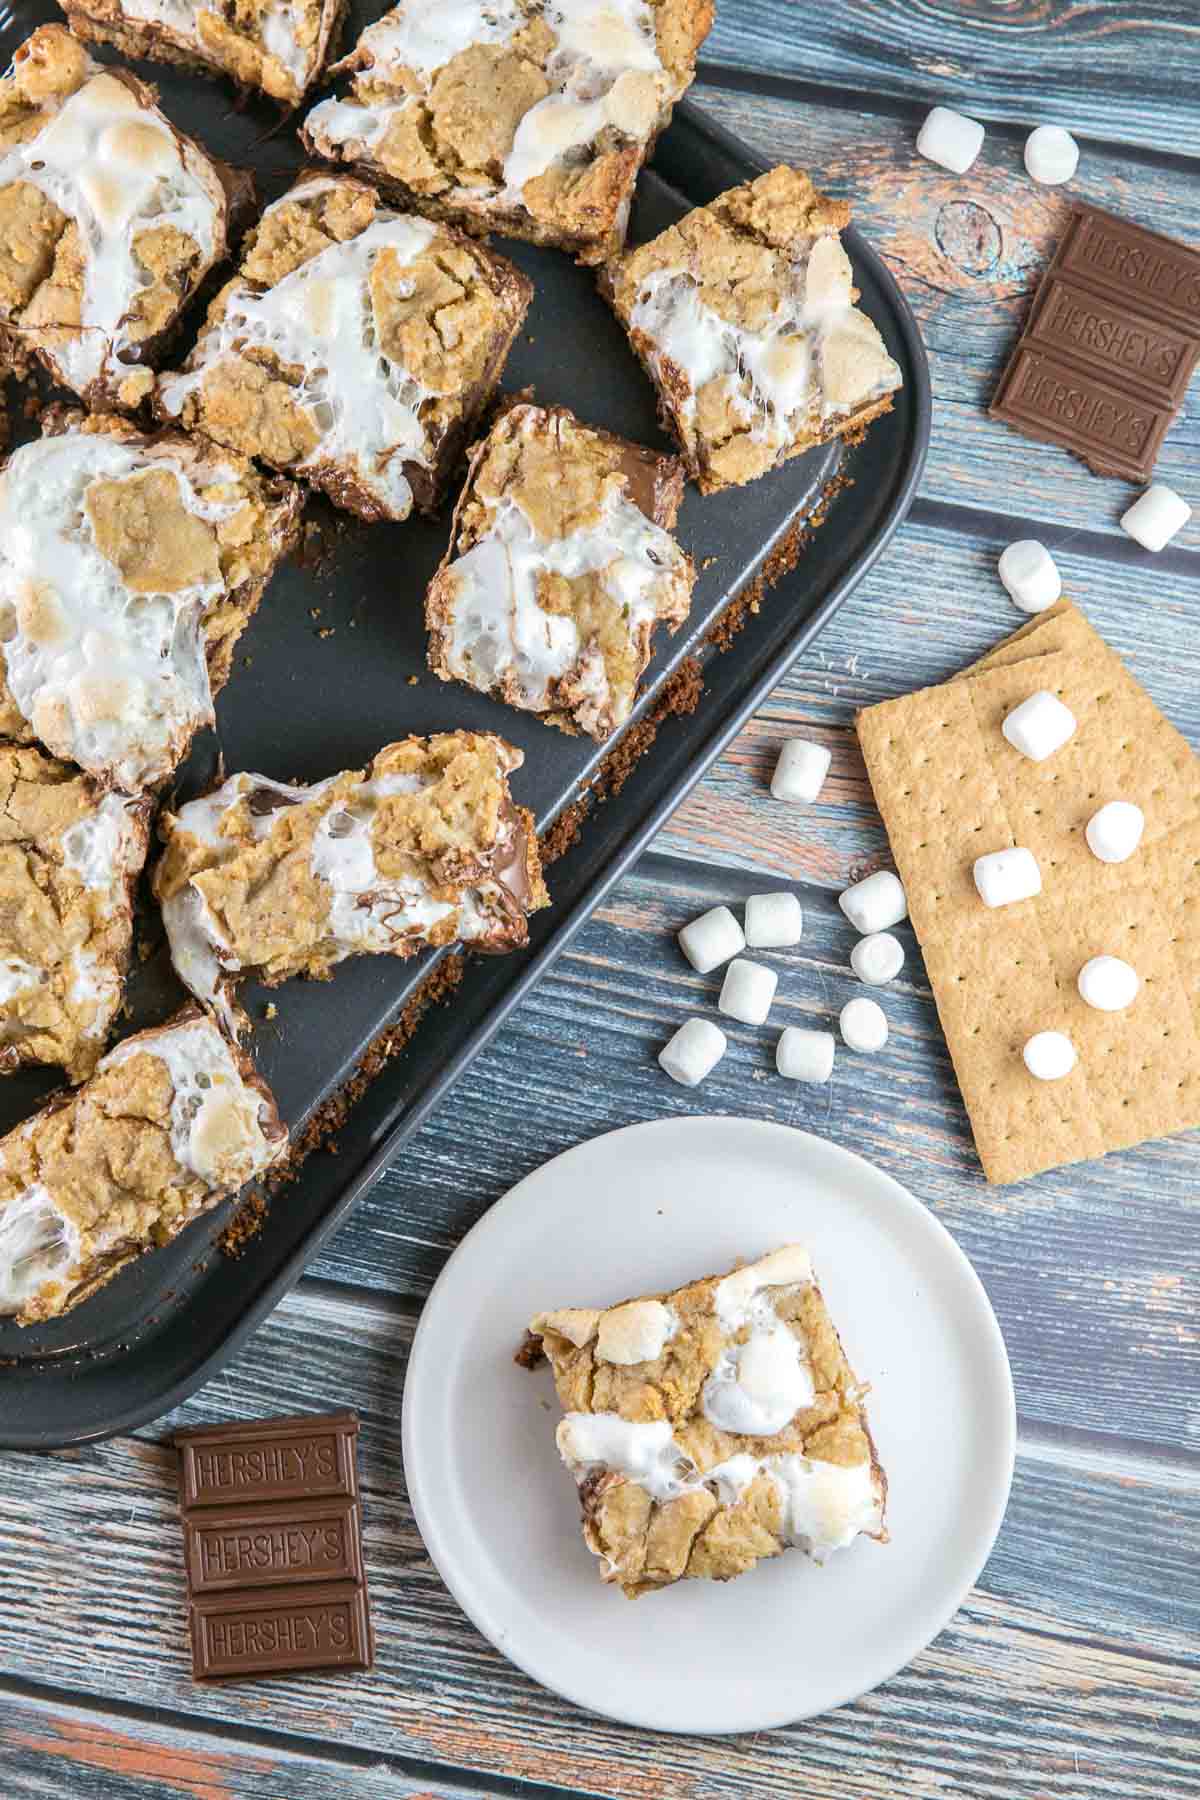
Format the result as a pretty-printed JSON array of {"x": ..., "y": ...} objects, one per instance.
[
  {"x": 320, "y": 320},
  {"x": 37, "y": 1245},
  {"x": 275, "y": 26},
  {"x": 116, "y": 169}
]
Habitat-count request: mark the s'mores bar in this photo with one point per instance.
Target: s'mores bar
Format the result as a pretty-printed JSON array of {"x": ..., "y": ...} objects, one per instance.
[
  {"x": 530, "y": 117},
  {"x": 173, "y": 1120},
  {"x": 712, "y": 1427},
  {"x": 356, "y": 347},
  {"x": 560, "y": 565},
  {"x": 110, "y": 220},
  {"x": 70, "y": 855},
  {"x": 743, "y": 316},
  {"x": 424, "y": 846},
  {"x": 129, "y": 566},
  {"x": 273, "y": 47}
]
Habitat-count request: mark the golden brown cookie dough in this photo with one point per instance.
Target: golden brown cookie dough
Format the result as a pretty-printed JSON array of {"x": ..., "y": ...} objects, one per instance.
[
  {"x": 559, "y": 568},
  {"x": 743, "y": 316},
  {"x": 70, "y": 856},
  {"x": 713, "y": 1426},
  {"x": 424, "y": 846},
  {"x": 531, "y": 117},
  {"x": 356, "y": 347},
  {"x": 274, "y": 47},
  {"x": 129, "y": 566},
  {"x": 173, "y": 1120},
  {"x": 110, "y": 220}
]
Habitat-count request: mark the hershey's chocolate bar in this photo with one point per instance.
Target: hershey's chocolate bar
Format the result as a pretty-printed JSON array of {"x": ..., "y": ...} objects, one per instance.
[
  {"x": 1109, "y": 347},
  {"x": 305, "y": 1457},
  {"x": 322, "y": 1627},
  {"x": 267, "y": 1546}
]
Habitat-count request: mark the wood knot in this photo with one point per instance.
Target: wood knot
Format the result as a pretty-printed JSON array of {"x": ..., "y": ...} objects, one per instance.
[{"x": 968, "y": 236}]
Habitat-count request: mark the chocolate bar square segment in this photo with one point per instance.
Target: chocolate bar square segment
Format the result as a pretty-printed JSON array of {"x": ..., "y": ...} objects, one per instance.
[
  {"x": 270, "y": 1546},
  {"x": 1138, "y": 267},
  {"x": 246, "y": 1633},
  {"x": 301, "y": 1457},
  {"x": 1114, "y": 432}
]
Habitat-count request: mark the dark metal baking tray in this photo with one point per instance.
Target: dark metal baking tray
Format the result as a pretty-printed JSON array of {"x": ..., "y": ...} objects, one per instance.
[{"x": 308, "y": 704}]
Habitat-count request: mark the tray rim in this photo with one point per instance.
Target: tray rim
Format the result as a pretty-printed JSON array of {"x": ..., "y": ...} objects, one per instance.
[{"x": 275, "y": 1288}]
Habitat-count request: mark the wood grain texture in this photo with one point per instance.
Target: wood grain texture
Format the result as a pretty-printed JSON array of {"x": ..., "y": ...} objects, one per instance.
[
  {"x": 1074, "y": 1660},
  {"x": 968, "y": 252},
  {"x": 1110, "y": 69}
]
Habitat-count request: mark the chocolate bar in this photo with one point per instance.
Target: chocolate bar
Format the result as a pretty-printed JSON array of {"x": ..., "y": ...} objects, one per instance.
[
  {"x": 273, "y": 1505},
  {"x": 1108, "y": 350}
]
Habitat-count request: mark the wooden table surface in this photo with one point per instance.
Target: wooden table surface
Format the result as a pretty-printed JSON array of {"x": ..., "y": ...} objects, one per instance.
[{"x": 1072, "y": 1668}]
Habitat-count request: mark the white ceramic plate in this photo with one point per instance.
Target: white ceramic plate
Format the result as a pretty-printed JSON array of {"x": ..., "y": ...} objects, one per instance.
[{"x": 641, "y": 1210}]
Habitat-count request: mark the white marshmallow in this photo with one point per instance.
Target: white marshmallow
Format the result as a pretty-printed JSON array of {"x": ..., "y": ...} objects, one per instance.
[
  {"x": 1156, "y": 516},
  {"x": 1108, "y": 984},
  {"x": 1049, "y": 1055},
  {"x": 864, "y": 1025},
  {"x": 877, "y": 958},
  {"x": 1007, "y": 875},
  {"x": 801, "y": 770},
  {"x": 773, "y": 921},
  {"x": 747, "y": 991},
  {"x": 875, "y": 903},
  {"x": 1114, "y": 833},
  {"x": 693, "y": 1052},
  {"x": 805, "y": 1055},
  {"x": 1051, "y": 155},
  {"x": 1040, "y": 725},
  {"x": 1030, "y": 575},
  {"x": 951, "y": 139},
  {"x": 711, "y": 939}
]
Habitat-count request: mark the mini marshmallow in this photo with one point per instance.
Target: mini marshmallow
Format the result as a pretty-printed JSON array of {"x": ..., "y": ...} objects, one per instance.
[
  {"x": 877, "y": 958},
  {"x": 1108, "y": 984},
  {"x": 1039, "y": 726},
  {"x": 864, "y": 1025},
  {"x": 1051, "y": 155},
  {"x": 1007, "y": 875},
  {"x": 747, "y": 991},
  {"x": 1030, "y": 575},
  {"x": 801, "y": 770},
  {"x": 875, "y": 903},
  {"x": 1049, "y": 1055},
  {"x": 773, "y": 921},
  {"x": 693, "y": 1052},
  {"x": 1156, "y": 516},
  {"x": 951, "y": 139},
  {"x": 1114, "y": 833},
  {"x": 711, "y": 939},
  {"x": 805, "y": 1055}
]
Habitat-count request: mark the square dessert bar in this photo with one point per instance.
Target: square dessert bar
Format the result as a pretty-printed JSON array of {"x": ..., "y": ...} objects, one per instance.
[
  {"x": 356, "y": 347},
  {"x": 712, "y": 1427},
  {"x": 424, "y": 846},
  {"x": 173, "y": 1120},
  {"x": 560, "y": 565},
  {"x": 129, "y": 566},
  {"x": 70, "y": 856},
  {"x": 277, "y": 47},
  {"x": 531, "y": 117},
  {"x": 110, "y": 220},
  {"x": 743, "y": 316}
]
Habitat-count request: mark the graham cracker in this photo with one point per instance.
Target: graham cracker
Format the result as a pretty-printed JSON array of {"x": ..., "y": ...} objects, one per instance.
[{"x": 950, "y": 788}]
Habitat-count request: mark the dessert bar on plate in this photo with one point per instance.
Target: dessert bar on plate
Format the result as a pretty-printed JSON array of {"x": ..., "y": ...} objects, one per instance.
[
  {"x": 173, "y": 1120},
  {"x": 129, "y": 566},
  {"x": 110, "y": 220},
  {"x": 713, "y": 1426},
  {"x": 744, "y": 317},
  {"x": 356, "y": 347},
  {"x": 70, "y": 856},
  {"x": 278, "y": 47},
  {"x": 424, "y": 846},
  {"x": 560, "y": 565},
  {"x": 531, "y": 117}
]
